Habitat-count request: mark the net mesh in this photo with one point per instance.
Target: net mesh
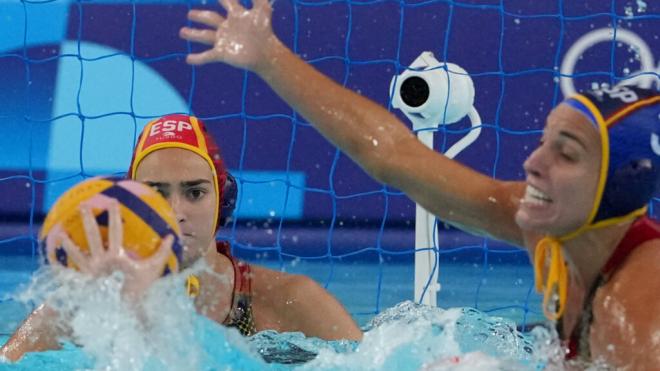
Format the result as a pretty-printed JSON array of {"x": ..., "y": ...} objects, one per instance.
[{"x": 82, "y": 77}]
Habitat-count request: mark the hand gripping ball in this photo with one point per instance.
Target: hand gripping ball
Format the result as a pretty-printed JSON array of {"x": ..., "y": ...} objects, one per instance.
[{"x": 146, "y": 218}]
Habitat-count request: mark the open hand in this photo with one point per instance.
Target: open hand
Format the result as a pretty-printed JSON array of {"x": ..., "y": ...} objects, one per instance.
[
  {"x": 242, "y": 39},
  {"x": 139, "y": 274}
]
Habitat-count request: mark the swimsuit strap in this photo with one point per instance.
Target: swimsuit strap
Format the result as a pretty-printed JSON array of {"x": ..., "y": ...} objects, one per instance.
[
  {"x": 578, "y": 343},
  {"x": 240, "y": 315}
]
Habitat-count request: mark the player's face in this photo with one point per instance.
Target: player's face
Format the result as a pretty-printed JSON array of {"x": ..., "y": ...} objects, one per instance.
[
  {"x": 186, "y": 181},
  {"x": 562, "y": 175}
]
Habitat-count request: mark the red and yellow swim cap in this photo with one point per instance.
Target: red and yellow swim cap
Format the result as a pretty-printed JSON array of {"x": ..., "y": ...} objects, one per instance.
[{"x": 185, "y": 132}]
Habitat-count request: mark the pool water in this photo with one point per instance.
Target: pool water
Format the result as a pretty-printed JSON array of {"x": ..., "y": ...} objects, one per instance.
[
  {"x": 403, "y": 336},
  {"x": 406, "y": 337}
]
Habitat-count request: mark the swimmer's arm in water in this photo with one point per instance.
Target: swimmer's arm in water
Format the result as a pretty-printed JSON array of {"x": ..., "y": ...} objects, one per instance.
[
  {"x": 290, "y": 303},
  {"x": 626, "y": 327},
  {"x": 42, "y": 329},
  {"x": 39, "y": 332},
  {"x": 367, "y": 132}
]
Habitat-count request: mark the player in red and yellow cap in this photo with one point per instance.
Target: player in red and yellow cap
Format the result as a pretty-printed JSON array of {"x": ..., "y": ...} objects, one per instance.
[{"x": 176, "y": 155}]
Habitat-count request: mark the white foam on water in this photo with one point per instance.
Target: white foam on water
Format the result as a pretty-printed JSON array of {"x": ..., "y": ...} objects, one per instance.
[
  {"x": 415, "y": 337},
  {"x": 166, "y": 333},
  {"x": 162, "y": 332}
]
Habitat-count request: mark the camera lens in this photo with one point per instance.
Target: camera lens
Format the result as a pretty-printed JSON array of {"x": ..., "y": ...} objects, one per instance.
[{"x": 414, "y": 91}]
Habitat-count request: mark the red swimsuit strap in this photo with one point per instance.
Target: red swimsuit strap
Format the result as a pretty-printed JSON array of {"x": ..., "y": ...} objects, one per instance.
[
  {"x": 242, "y": 272},
  {"x": 642, "y": 230}
]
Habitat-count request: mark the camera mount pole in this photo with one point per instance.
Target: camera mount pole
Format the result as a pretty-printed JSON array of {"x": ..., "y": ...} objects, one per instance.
[
  {"x": 427, "y": 267},
  {"x": 431, "y": 93},
  {"x": 426, "y": 236}
]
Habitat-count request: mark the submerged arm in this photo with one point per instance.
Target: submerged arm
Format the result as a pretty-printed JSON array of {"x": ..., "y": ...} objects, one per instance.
[
  {"x": 39, "y": 332},
  {"x": 373, "y": 137}
]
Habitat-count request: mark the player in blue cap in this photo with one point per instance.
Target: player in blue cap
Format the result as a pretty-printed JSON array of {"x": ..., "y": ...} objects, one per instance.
[{"x": 581, "y": 212}]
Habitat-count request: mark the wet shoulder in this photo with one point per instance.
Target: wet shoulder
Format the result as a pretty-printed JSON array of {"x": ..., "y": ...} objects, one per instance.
[
  {"x": 639, "y": 269},
  {"x": 216, "y": 288},
  {"x": 625, "y": 308}
]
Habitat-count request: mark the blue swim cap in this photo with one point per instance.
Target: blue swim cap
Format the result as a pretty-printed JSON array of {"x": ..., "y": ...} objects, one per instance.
[{"x": 628, "y": 120}]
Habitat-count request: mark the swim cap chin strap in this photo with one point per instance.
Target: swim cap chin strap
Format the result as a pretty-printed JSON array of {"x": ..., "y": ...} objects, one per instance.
[{"x": 548, "y": 254}]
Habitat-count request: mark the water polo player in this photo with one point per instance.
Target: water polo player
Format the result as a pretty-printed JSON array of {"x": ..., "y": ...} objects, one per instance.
[
  {"x": 580, "y": 213},
  {"x": 177, "y": 157}
]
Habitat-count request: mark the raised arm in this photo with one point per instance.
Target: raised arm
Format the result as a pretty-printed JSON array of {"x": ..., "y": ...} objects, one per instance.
[{"x": 368, "y": 133}]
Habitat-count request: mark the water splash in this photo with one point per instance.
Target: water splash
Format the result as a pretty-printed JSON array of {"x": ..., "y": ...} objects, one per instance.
[
  {"x": 167, "y": 334},
  {"x": 641, "y": 6},
  {"x": 163, "y": 332},
  {"x": 628, "y": 11},
  {"x": 413, "y": 337}
]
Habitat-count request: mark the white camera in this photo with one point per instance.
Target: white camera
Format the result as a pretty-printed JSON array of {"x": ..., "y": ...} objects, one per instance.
[{"x": 431, "y": 93}]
